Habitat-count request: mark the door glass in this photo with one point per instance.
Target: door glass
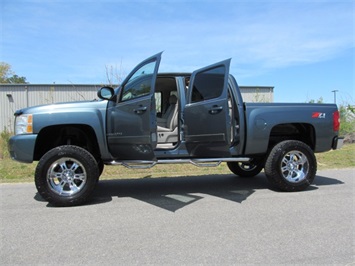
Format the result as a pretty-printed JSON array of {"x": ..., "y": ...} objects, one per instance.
[
  {"x": 208, "y": 84},
  {"x": 140, "y": 82},
  {"x": 157, "y": 96}
]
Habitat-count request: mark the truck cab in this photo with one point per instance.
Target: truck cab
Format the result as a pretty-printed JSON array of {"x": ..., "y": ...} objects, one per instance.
[{"x": 160, "y": 116}]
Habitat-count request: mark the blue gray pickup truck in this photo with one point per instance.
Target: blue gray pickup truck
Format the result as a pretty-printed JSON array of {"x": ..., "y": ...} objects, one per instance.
[{"x": 154, "y": 118}]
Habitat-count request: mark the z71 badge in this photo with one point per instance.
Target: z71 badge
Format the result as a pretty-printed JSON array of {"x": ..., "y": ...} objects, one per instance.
[{"x": 318, "y": 115}]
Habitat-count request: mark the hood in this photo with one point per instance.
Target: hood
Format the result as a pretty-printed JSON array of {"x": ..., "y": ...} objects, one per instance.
[{"x": 62, "y": 106}]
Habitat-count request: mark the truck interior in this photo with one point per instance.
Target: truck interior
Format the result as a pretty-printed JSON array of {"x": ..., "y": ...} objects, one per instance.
[{"x": 167, "y": 110}]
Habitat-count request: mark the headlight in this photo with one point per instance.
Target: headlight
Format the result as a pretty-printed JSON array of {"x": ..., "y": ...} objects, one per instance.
[{"x": 23, "y": 124}]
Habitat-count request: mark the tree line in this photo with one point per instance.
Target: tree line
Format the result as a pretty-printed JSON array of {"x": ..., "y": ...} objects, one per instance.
[{"x": 8, "y": 76}]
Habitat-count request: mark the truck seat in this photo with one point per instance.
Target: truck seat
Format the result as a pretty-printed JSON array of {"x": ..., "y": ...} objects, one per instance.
[
  {"x": 168, "y": 124},
  {"x": 162, "y": 122}
]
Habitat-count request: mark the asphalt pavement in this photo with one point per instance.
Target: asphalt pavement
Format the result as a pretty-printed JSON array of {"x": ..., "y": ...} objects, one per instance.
[{"x": 219, "y": 219}]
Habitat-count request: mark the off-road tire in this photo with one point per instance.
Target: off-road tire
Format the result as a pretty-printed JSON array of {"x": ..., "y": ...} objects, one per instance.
[
  {"x": 66, "y": 175},
  {"x": 291, "y": 166}
]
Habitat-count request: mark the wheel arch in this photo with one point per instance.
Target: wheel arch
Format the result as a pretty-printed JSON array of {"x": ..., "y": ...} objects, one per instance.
[
  {"x": 69, "y": 134},
  {"x": 293, "y": 131}
]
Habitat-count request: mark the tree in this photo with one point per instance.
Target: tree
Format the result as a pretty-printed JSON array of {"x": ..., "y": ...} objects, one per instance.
[
  {"x": 5, "y": 71},
  {"x": 114, "y": 75},
  {"x": 16, "y": 79},
  {"x": 8, "y": 76},
  {"x": 320, "y": 100},
  {"x": 347, "y": 120}
]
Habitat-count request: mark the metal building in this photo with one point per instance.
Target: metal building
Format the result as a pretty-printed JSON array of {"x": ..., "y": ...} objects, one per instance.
[
  {"x": 17, "y": 96},
  {"x": 262, "y": 94}
]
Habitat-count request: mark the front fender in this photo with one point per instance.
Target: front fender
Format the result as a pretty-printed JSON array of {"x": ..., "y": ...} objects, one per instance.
[{"x": 92, "y": 114}]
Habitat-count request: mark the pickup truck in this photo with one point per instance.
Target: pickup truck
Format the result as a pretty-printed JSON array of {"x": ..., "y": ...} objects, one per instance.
[{"x": 160, "y": 118}]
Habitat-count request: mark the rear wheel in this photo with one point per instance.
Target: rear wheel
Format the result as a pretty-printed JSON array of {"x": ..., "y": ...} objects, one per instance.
[
  {"x": 66, "y": 175},
  {"x": 291, "y": 166},
  {"x": 246, "y": 169}
]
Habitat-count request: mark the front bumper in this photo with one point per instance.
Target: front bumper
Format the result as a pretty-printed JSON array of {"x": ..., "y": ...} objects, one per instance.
[
  {"x": 21, "y": 147},
  {"x": 337, "y": 143}
]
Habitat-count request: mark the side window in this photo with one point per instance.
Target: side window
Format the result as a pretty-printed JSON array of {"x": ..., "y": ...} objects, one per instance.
[
  {"x": 158, "y": 97},
  {"x": 208, "y": 84},
  {"x": 140, "y": 83}
]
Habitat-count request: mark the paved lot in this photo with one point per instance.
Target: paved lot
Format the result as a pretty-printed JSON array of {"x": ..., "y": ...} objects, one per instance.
[{"x": 195, "y": 220}]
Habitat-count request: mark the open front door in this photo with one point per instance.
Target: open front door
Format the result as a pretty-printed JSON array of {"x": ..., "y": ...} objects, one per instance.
[
  {"x": 206, "y": 115},
  {"x": 131, "y": 119}
]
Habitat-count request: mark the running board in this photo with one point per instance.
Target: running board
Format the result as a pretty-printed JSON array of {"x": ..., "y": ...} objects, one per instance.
[{"x": 205, "y": 162}]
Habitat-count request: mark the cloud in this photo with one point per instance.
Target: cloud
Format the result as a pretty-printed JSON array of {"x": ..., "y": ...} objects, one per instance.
[
  {"x": 272, "y": 36},
  {"x": 258, "y": 35}
]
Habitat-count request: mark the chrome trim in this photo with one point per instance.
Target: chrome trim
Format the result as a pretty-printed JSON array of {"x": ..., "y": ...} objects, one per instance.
[{"x": 200, "y": 162}]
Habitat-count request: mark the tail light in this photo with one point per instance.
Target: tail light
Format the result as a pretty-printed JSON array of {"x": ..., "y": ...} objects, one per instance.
[{"x": 336, "y": 121}]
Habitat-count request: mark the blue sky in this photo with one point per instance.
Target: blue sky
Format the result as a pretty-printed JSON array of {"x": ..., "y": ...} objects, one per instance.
[{"x": 303, "y": 48}]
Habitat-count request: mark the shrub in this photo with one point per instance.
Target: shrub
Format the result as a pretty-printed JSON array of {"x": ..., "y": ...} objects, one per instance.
[
  {"x": 4, "y": 138},
  {"x": 347, "y": 120}
]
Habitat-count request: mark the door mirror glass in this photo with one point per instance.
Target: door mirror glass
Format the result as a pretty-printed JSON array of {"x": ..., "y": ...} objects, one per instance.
[{"x": 106, "y": 93}]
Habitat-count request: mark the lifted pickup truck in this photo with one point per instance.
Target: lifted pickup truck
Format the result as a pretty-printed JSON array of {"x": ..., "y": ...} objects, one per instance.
[{"x": 153, "y": 118}]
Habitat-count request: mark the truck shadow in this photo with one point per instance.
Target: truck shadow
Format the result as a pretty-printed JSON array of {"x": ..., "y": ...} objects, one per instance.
[{"x": 174, "y": 193}]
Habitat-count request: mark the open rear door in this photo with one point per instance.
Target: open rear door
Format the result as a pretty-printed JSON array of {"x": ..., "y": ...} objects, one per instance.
[
  {"x": 131, "y": 119},
  {"x": 206, "y": 115}
]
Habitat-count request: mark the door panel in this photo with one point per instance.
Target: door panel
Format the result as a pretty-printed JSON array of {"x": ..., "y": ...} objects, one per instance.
[
  {"x": 206, "y": 115},
  {"x": 131, "y": 120}
]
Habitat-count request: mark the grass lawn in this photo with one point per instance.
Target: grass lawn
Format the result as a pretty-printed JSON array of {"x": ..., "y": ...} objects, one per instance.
[{"x": 12, "y": 171}]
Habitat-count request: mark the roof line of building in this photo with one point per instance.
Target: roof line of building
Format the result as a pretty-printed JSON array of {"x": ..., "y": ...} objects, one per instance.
[{"x": 97, "y": 85}]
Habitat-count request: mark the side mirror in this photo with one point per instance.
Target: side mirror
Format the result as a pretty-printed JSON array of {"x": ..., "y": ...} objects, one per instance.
[{"x": 106, "y": 93}]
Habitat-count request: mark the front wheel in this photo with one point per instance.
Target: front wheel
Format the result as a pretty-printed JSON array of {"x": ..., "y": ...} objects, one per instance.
[
  {"x": 66, "y": 175},
  {"x": 291, "y": 166}
]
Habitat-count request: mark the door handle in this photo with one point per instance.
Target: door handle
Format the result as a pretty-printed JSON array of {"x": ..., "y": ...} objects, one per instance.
[
  {"x": 140, "y": 110},
  {"x": 215, "y": 109}
]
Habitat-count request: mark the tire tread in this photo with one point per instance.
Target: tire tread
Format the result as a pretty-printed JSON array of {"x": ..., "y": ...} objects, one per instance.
[
  {"x": 86, "y": 158},
  {"x": 272, "y": 169}
]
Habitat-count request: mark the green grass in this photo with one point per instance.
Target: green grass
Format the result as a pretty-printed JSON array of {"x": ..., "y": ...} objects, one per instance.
[
  {"x": 337, "y": 159},
  {"x": 12, "y": 171}
]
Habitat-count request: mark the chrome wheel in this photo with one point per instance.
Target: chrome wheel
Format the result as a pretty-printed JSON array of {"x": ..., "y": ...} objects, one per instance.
[
  {"x": 291, "y": 165},
  {"x": 66, "y": 176},
  {"x": 294, "y": 166}
]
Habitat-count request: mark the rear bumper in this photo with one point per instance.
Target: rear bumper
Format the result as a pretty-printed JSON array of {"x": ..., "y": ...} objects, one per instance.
[
  {"x": 337, "y": 143},
  {"x": 21, "y": 147}
]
